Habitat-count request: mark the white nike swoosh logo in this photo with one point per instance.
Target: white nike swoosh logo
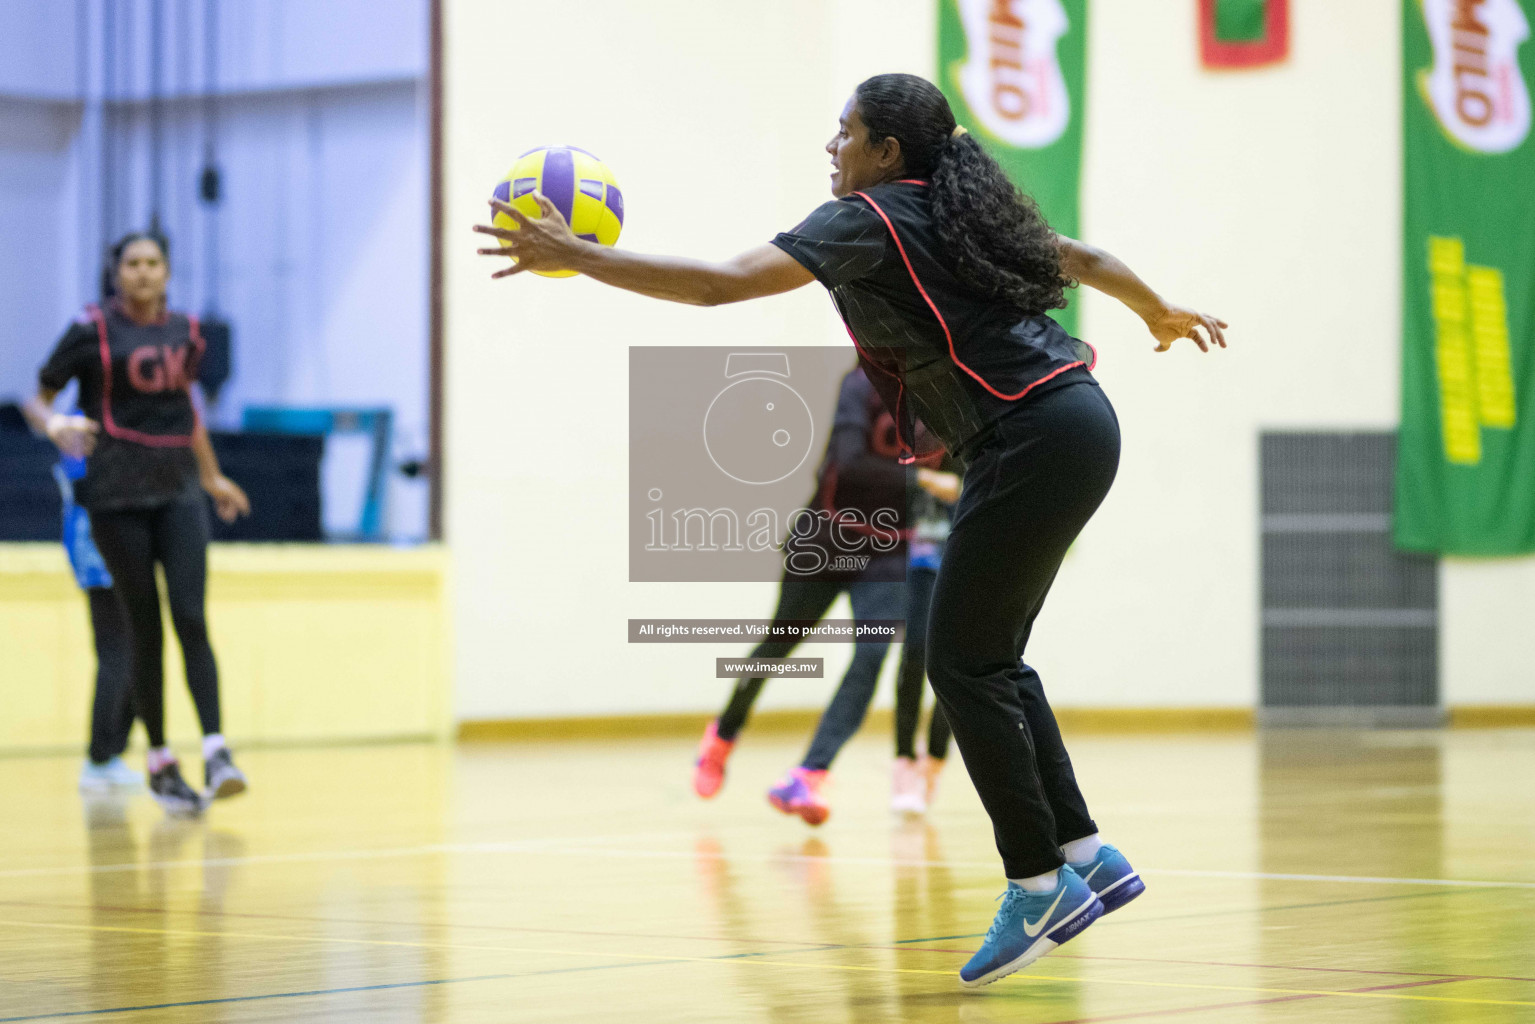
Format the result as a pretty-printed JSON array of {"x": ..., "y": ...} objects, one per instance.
[
  {"x": 1089, "y": 876},
  {"x": 1032, "y": 930}
]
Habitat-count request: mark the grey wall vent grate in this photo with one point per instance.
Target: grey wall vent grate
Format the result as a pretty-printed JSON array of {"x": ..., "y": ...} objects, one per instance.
[{"x": 1348, "y": 621}]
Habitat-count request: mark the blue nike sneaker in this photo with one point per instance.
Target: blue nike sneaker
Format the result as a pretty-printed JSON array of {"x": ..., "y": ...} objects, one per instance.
[
  {"x": 1029, "y": 925},
  {"x": 1111, "y": 877}
]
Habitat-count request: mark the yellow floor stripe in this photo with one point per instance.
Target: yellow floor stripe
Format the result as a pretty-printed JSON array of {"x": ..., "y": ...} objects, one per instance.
[{"x": 187, "y": 933}]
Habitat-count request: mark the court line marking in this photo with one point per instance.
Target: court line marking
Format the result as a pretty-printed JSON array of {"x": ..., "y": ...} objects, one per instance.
[
  {"x": 1447, "y": 975},
  {"x": 1169, "y": 1011},
  {"x": 500, "y": 846},
  {"x": 797, "y": 965},
  {"x": 990, "y": 865},
  {"x": 388, "y": 986},
  {"x": 551, "y": 847},
  {"x": 1197, "y": 915},
  {"x": 313, "y": 992},
  {"x": 804, "y": 945}
]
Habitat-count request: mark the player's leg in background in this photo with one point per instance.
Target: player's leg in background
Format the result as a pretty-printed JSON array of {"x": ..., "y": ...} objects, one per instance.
[
  {"x": 871, "y": 601},
  {"x": 181, "y": 544},
  {"x": 127, "y": 544},
  {"x": 913, "y": 669},
  {"x": 938, "y": 736},
  {"x": 112, "y": 705},
  {"x": 800, "y": 791},
  {"x": 906, "y": 781},
  {"x": 798, "y": 600}
]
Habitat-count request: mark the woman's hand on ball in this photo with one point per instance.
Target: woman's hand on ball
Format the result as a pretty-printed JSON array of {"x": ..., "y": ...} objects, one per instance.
[{"x": 542, "y": 243}]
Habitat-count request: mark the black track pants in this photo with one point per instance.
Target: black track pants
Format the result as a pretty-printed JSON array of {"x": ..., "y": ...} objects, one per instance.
[
  {"x": 175, "y": 536},
  {"x": 1027, "y": 495},
  {"x": 112, "y": 709}
]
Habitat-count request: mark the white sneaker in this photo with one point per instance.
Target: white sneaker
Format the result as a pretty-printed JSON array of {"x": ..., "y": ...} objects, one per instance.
[
  {"x": 906, "y": 787},
  {"x": 114, "y": 774},
  {"x": 930, "y": 768}
]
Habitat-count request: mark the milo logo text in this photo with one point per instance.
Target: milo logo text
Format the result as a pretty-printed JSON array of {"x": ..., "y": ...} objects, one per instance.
[
  {"x": 1012, "y": 76},
  {"x": 1476, "y": 88}
]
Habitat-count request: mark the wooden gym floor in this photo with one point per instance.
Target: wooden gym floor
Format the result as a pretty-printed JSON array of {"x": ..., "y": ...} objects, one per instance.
[{"x": 1293, "y": 876}]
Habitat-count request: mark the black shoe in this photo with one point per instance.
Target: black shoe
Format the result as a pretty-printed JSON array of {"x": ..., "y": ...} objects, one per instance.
[
  {"x": 171, "y": 791},
  {"x": 221, "y": 776}
]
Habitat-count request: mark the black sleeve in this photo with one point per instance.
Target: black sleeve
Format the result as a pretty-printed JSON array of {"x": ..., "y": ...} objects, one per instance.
[
  {"x": 840, "y": 241},
  {"x": 70, "y": 357}
]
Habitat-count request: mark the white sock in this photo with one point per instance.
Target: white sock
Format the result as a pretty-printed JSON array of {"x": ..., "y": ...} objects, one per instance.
[
  {"x": 212, "y": 744},
  {"x": 1038, "y": 883},
  {"x": 159, "y": 757},
  {"x": 1080, "y": 851}
]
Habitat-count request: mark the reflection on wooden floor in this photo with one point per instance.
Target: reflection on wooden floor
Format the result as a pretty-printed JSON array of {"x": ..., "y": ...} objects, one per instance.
[{"x": 1292, "y": 877}]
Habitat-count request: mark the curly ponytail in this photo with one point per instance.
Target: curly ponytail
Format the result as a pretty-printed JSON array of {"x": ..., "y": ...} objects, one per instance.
[{"x": 995, "y": 235}]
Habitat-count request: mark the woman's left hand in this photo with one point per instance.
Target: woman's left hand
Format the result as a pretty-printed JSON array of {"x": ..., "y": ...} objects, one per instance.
[
  {"x": 1173, "y": 322},
  {"x": 228, "y": 498},
  {"x": 544, "y": 243}
]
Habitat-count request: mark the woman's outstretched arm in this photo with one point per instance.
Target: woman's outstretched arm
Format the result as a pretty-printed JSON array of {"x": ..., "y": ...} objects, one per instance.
[
  {"x": 1103, "y": 271},
  {"x": 547, "y": 243}
]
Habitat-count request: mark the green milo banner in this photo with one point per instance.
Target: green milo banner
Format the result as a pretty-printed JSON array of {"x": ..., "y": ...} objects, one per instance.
[
  {"x": 1465, "y": 481},
  {"x": 1014, "y": 72}
]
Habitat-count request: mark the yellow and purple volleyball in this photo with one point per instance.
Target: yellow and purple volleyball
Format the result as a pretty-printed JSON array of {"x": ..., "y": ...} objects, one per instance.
[{"x": 578, "y": 184}]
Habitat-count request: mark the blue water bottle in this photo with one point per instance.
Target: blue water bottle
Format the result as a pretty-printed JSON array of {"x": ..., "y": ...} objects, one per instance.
[{"x": 90, "y": 570}]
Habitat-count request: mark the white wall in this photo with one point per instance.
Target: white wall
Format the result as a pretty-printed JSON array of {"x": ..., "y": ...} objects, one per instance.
[
  {"x": 1486, "y": 645},
  {"x": 1270, "y": 197},
  {"x": 715, "y": 132}
]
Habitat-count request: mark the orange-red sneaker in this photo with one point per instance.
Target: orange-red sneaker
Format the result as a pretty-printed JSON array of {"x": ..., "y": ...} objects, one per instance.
[{"x": 709, "y": 769}]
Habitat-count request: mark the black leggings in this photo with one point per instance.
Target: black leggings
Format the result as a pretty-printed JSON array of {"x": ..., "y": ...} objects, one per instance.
[
  {"x": 913, "y": 673},
  {"x": 176, "y": 536},
  {"x": 1028, "y": 493},
  {"x": 799, "y": 600},
  {"x": 112, "y": 709}
]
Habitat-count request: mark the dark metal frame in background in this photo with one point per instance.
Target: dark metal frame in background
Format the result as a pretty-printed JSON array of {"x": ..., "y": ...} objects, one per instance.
[
  {"x": 434, "y": 297},
  {"x": 116, "y": 40}
]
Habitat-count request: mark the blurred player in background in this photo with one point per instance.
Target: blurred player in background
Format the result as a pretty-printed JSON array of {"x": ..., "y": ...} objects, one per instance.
[
  {"x": 148, "y": 462},
  {"x": 860, "y": 476}
]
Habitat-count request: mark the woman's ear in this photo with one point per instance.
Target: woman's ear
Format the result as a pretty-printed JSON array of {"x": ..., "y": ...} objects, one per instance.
[{"x": 890, "y": 151}]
